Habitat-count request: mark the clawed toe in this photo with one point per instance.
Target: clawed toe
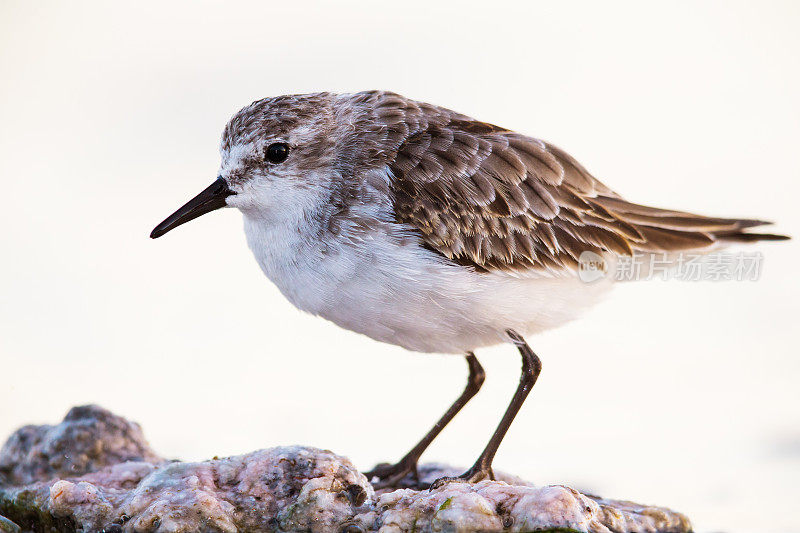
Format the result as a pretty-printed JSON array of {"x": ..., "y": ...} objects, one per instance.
[
  {"x": 472, "y": 475},
  {"x": 399, "y": 475},
  {"x": 442, "y": 481}
]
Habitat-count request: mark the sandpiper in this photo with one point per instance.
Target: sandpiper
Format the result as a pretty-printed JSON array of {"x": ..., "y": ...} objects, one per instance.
[{"x": 422, "y": 227}]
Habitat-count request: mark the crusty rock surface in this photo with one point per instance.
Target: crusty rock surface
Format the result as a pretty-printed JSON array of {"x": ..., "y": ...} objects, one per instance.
[
  {"x": 95, "y": 472},
  {"x": 88, "y": 439}
]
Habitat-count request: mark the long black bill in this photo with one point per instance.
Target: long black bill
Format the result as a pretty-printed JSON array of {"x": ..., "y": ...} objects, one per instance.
[{"x": 211, "y": 199}]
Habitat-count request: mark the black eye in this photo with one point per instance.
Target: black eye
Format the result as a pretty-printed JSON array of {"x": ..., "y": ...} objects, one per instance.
[{"x": 277, "y": 152}]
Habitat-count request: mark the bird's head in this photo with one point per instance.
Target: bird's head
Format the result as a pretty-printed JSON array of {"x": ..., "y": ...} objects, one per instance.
[{"x": 280, "y": 157}]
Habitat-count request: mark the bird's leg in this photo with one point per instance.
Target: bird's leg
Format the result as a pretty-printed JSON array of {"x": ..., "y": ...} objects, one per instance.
[
  {"x": 391, "y": 475},
  {"x": 531, "y": 367}
]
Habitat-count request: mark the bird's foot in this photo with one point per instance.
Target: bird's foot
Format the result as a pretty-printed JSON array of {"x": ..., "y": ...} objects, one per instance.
[
  {"x": 473, "y": 475},
  {"x": 401, "y": 475}
]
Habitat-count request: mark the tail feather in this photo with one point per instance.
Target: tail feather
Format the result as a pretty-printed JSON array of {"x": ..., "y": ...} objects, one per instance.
[
  {"x": 742, "y": 236},
  {"x": 667, "y": 230}
]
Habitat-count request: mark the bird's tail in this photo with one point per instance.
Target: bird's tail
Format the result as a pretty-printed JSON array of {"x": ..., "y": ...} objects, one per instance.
[{"x": 665, "y": 230}]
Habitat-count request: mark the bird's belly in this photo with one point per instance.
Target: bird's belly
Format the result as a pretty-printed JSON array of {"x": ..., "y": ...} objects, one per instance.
[
  {"x": 455, "y": 314},
  {"x": 407, "y": 296}
]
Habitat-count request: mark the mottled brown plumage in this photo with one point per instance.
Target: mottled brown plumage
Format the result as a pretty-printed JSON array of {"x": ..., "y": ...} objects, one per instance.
[{"x": 490, "y": 198}]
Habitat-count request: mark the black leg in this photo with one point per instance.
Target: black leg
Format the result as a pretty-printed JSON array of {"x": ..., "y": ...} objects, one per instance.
[
  {"x": 531, "y": 367},
  {"x": 392, "y": 475}
]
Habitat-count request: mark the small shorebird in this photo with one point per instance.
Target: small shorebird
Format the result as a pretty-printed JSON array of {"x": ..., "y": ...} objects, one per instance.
[{"x": 422, "y": 227}]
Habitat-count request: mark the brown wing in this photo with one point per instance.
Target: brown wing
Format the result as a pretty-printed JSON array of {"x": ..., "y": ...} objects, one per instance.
[{"x": 493, "y": 199}]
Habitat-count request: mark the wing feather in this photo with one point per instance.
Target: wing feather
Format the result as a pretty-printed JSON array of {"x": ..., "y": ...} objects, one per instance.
[{"x": 493, "y": 199}]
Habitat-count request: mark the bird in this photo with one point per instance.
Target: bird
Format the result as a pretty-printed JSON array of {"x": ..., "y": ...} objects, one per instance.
[{"x": 422, "y": 227}]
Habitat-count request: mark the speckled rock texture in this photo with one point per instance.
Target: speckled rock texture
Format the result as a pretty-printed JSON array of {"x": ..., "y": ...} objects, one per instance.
[{"x": 95, "y": 472}]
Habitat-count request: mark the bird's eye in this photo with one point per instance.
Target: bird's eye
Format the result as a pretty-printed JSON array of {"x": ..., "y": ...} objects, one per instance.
[{"x": 277, "y": 152}]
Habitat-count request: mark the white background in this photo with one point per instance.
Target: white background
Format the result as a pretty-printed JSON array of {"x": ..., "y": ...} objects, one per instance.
[{"x": 678, "y": 394}]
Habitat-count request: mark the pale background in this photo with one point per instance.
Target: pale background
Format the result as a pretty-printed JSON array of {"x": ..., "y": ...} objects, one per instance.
[{"x": 679, "y": 394}]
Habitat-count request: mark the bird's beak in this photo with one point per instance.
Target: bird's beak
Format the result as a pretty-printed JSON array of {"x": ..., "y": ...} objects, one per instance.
[{"x": 211, "y": 199}]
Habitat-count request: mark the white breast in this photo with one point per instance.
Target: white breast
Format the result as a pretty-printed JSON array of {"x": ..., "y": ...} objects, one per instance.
[{"x": 383, "y": 284}]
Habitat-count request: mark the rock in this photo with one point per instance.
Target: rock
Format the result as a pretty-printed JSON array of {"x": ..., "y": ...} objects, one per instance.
[
  {"x": 88, "y": 439},
  {"x": 95, "y": 472},
  {"x": 7, "y": 526}
]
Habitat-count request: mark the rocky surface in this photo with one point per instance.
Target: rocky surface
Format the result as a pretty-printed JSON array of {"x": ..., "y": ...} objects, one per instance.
[{"x": 95, "y": 472}]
